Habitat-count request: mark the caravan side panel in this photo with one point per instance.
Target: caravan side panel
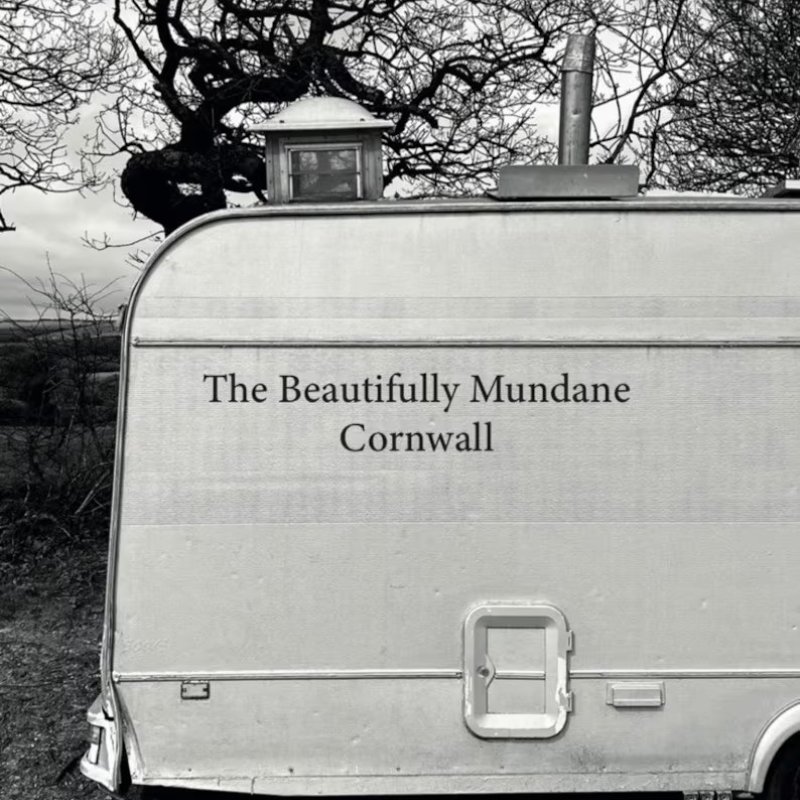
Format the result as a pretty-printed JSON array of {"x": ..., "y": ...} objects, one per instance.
[{"x": 315, "y": 583}]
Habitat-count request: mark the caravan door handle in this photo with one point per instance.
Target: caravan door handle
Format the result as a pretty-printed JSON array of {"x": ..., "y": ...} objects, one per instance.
[{"x": 486, "y": 671}]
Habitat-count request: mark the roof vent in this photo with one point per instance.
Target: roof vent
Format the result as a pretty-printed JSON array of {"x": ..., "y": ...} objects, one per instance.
[{"x": 573, "y": 178}]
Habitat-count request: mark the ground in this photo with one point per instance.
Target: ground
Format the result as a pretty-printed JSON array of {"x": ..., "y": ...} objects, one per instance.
[{"x": 50, "y": 625}]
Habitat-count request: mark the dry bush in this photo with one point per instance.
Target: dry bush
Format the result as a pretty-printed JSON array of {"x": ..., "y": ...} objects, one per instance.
[{"x": 58, "y": 378}]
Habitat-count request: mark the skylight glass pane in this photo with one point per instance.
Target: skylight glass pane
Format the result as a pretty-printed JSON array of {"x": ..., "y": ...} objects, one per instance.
[{"x": 320, "y": 173}]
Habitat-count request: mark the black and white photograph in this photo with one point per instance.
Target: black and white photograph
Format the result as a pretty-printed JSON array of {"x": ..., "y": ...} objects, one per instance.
[{"x": 399, "y": 398}]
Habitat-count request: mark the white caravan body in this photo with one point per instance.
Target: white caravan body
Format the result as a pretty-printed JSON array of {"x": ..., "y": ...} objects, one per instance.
[{"x": 458, "y": 497}]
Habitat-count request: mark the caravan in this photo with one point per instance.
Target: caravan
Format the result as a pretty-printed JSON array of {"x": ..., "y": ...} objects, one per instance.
[{"x": 596, "y": 591}]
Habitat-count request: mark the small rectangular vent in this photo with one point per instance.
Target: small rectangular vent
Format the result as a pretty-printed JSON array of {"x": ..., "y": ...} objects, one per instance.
[{"x": 195, "y": 690}]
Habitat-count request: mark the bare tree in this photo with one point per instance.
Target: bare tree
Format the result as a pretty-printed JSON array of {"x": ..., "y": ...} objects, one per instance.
[
  {"x": 53, "y": 57},
  {"x": 738, "y": 127},
  {"x": 460, "y": 80},
  {"x": 648, "y": 65},
  {"x": 59, "y": 375}
]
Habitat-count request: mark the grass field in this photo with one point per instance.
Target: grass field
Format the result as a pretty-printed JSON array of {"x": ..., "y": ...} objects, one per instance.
[
  {"x": 50, "y": 625},
  {"x": 52, "y": 577}
]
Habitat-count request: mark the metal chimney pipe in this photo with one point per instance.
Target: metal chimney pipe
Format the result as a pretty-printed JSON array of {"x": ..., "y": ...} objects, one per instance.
[{"x": 576, "y": 100}]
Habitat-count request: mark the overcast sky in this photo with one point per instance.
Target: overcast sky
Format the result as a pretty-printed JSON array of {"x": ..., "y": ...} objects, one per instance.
[{"x": 50, "y": 226}]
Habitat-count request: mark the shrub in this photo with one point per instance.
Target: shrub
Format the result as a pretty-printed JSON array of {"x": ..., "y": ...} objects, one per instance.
[{"x": 57, "y": 409}]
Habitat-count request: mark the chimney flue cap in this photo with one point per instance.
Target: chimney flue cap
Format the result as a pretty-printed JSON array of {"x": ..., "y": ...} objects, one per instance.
[{"x": 579, "y": 55}]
